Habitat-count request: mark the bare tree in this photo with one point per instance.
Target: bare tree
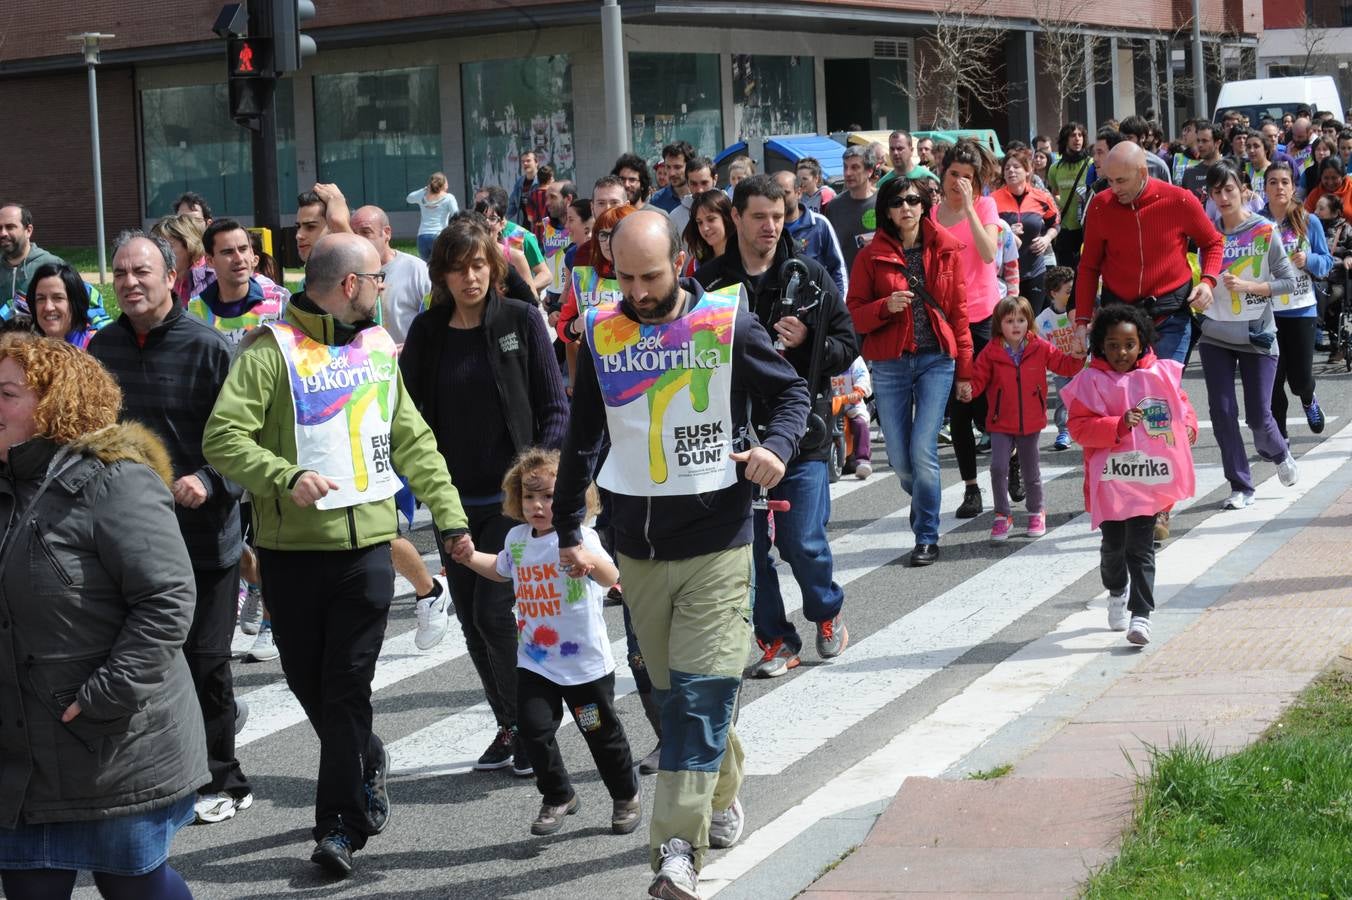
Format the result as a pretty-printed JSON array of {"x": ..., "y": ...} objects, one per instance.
[
  {"x": 957, "y": 62},
  {"x": 1063, "y": 49},
  {"x": 1312, "y": 41}
]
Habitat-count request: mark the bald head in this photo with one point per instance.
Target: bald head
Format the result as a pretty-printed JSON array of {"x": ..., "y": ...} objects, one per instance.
[
  {"x": 1300, "y": 129},
  {"x": 371, "y": 223},
  {"x": 1126, "y": 171},
  {"x": 329, "y": 280},
  {"x": 648, "y": 256}
]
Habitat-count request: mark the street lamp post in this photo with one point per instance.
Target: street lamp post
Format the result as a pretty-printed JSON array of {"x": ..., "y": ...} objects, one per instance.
[{"x": 90, "y": 45}]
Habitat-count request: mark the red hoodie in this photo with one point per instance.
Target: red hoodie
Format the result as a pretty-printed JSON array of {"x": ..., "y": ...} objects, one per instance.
[
  {"x": 1016, "y": 398},
  {"x": 1140, "y": 249}
]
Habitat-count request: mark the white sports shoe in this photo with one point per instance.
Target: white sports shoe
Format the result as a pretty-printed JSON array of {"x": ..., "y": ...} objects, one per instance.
[
  {"x": 251, "y": 616},
  {"x": 264, "y": 649},
  {"x": 725, "y": 826},
  {"x": 1139, "y": 632},
  {"x": 434, "y": 615},
  {"x": 1287, "y": 472},
  {"x": 1117, "y": 611},
  {"x": 676, "y": 879},
  {"x": 1237, "y": 500},
  {"x": 213, "y": 808}
]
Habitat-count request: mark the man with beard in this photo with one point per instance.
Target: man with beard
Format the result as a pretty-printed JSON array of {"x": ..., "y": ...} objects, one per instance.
[
  {"x": 677, "y": 157},
  {"x": 682, "y": 512},
  {"x": 552, "y": 233},
  {"x": 1208, "y": 149},
  {"x": 851, "y": 214},
  {"x": 633, "y": 171},
  {"x": 21, "y": 257}
]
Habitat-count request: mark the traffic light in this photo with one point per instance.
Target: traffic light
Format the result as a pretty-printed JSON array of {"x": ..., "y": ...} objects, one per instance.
[
  {"x": 292, "y": 45},
  {"x": 250, "y": 57}
]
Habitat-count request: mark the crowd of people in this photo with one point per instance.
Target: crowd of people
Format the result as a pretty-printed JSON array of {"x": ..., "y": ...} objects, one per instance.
[{"x": 628, "y": 398}]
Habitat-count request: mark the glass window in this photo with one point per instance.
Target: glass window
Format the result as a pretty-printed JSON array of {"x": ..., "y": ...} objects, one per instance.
[
  {"x": 675, "y": 97},
  {"x": 512, "y": 105},
  {"x": 889, "y": 100},
  {"x": 191, "y": 144},
  {"x": 378, "y": 134},
  {"x": 775, "y": 95}
]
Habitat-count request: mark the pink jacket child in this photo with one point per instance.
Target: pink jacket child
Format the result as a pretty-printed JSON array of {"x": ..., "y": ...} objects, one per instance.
[{"x": 1132, "y": 471}]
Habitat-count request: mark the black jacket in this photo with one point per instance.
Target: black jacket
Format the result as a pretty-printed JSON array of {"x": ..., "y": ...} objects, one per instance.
[
  {"x": 681, "y": 527},
  {"x": 96, "y": 597},
  {"x": 525, "y": 370},
  {"x": 841, "y": 347},
  {"x": 170, "y": 386}
]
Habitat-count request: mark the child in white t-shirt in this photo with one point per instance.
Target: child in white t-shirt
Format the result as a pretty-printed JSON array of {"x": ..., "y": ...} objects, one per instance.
[
  {"x": 1056, "y": 323},
  {"x": 563, "y": 652}
]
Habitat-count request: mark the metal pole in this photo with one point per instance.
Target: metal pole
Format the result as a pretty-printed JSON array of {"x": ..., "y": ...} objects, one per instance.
[
  {"x": 267, "y": 206},
  {"x": 612, "y": 53},
  {"x": 1199, "y": 104},
  {"x": 100, "y": 237}
]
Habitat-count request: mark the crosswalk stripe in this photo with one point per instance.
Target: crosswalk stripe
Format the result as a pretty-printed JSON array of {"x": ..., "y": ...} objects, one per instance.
[
  {"x": 959, "y": 725},
  {"x": 444, "y": 746},
  {"x": 787, "y": 724}
]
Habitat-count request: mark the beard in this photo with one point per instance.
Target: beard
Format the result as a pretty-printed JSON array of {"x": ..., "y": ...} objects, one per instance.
[{"x": 662, "y": 308}]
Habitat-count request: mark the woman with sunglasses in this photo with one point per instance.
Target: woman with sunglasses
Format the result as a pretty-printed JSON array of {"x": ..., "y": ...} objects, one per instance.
[{"x": 908, "y": 299}]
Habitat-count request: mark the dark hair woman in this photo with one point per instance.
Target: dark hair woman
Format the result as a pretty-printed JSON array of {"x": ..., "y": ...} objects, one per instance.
[
  {"x": 58, "y": 302},
  {"x": 1066, "y": 183},
  {"x": 477, "y": 363},
  {"x": 103, "y": 747},
  {"x": 709, "y": 229},
  {"x": 972, "y": 219},
  {"x": 908, "y": 300}
]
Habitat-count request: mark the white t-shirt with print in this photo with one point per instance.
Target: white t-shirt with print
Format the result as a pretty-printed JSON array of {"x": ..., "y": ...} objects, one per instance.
[{"x": 561, "y": 634}]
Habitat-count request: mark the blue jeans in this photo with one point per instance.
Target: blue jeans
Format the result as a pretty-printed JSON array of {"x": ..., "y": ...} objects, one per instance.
[
  {"x": 1173, "y": 336},
  {"x": 911, "y": 393},
  {"x": 425, "y": 242},
  {"x": 800, "y": 536}
]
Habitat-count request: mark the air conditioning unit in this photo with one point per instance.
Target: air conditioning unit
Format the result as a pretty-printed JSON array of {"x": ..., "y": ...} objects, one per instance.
[{"x": 883, "y": 49}]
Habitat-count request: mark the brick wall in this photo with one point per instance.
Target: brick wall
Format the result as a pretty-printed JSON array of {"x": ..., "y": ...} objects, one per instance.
[{"x": 56, "y": 177}]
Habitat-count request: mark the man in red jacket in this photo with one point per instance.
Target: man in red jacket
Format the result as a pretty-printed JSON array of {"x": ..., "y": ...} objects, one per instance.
[{"x": 1136, "y": 239}]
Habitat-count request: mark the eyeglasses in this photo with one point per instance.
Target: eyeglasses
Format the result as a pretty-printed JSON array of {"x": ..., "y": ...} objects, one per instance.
[
  {"x": 377, "y": 277},
  {"x": 908, "y": 200}
]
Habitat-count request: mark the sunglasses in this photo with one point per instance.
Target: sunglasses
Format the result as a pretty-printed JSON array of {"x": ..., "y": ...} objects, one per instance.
[{"x": 908, "y": 200}]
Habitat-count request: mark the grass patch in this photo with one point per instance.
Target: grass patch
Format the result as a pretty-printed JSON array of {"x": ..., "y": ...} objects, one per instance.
[
  {"x": 1274, "y": 820},
  {"x": 835, "y": 862},
  {"x": 83, "y": 259},
  {"x": 991, "y": 774}
]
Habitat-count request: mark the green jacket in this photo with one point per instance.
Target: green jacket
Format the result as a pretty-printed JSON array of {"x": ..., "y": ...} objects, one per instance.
[
  {"x": 1064, "y": 179},
  {"x": 250, "y": 438}
]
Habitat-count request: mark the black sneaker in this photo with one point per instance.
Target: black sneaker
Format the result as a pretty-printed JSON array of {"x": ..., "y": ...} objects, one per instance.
[
  {"x": 521, "y": 766},
  {"x": 334, "y": 853},
  {"x": 499, "y": 753},
  {"x": 1016, "y": 491},
  {"x": 970, "y": 507},
  {"x": 378, "y": 793}
]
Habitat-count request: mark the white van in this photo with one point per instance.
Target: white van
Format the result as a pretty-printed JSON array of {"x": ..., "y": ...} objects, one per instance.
[{"x": 1275, "y": 97}]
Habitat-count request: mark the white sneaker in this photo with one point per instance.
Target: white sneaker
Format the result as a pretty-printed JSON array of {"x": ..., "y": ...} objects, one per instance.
[
  {"x": 1117, "y": 612},
  {"x": 1287, "y": 472},
  {"x": 434, "y": 615},
  {"x": 676, "y": 879},
  {"x": 863, "y": 470},
  {"x": 1237, "y": 500},
  {"x": 1139, "y": 632},
  {"x": 213, "y": 808},
  {"x": 251, "y": 616},
  {"x": 725, "y": 826},
  {"x": 264, "y": 649}
]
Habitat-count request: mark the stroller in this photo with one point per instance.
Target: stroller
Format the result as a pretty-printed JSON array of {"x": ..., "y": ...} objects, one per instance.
[{"x": 1339, "y": 322}]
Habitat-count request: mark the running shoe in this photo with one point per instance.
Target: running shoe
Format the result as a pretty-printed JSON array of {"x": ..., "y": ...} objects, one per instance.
[
  {"x": 499, "y": 753},
  {"x": 251, "y": 615},
  {"x": 725, "y": 826},
  {"x": 213, "y": 808},
  {"x": 434, "y": 615},
  {"x": 1117, "y": 611},
  {"x": 264, "y": 648},
  {"x": 970, "y": 507},
  {"x": 863, "y": 470},
  {"x": 1139, "y": 632},
  {"x": 1315, "y": 416},
  {"x": 676, "y": 879},
  {"x": 1037, "y": 525},
  {"x": 1238, "y": 500},
  {"x": 776, "y": 660},
  {"x": 550, "y": 818},
  {"x": 625, "y": 815},
  {"x": 1000, "y": 528},
  {"x": 1287, "y": 471},
  {"x": 334, "y": 853},
  {"x": 832, "y": 636},
  {"x": 1062, "y": 441}
]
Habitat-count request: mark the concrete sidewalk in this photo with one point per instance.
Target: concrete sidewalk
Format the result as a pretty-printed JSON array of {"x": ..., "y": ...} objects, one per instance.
[{"x": 1041, "y": 830}]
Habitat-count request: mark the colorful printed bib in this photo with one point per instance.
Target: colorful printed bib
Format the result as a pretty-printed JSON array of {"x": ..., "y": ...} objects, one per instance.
[
  {"x": 668, "y": 396},
  {"x": 1303, "y": 295},
  {"x": 1244, "y": 255},
  {"x": 344, "y": 399},
  {"x": 590, "y": 289}
]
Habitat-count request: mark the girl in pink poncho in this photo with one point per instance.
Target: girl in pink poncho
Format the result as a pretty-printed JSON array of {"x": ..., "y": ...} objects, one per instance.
[{"x": 1129, "y": 412}]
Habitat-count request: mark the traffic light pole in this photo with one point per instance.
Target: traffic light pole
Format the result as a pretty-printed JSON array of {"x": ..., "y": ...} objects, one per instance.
[{"x": 267, "y": 211}]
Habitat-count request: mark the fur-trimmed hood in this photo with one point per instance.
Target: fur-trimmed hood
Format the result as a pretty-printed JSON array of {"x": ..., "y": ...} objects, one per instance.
[{"x": 130, "y": 441}]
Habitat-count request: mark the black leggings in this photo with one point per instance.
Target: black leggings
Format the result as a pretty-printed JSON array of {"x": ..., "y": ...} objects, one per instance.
[
  {"x": 962, "y": 415},
  {"x": 1295, "y": 361},
  {"x": 57, "y": 884}
]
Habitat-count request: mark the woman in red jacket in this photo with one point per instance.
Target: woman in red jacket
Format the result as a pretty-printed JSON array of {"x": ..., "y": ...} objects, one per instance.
[
  {"x": 908, "y": 300},
  {"x": 1032, "y": 213}
]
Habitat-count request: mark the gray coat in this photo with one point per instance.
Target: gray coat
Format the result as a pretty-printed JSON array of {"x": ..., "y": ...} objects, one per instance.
[{"x": 96, "y": 596}]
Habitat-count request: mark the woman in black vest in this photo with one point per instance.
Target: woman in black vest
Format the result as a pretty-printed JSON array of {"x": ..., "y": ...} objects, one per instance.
[{"x": 481, "y": 369}]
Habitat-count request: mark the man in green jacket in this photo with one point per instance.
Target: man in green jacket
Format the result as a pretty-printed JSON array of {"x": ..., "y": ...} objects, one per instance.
[{"x": 314, "y": 421}]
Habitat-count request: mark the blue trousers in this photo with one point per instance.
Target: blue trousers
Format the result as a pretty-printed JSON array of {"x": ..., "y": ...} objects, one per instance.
[{"x": 911, "y": 392}]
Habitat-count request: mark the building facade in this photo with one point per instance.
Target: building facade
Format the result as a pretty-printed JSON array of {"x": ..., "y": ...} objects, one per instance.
[{"x": 464, "y": 87}]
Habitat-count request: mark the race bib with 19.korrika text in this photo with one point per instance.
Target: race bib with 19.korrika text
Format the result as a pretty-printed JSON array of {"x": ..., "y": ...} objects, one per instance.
[
  {"x": 1243, "y": 256},
  {"x": 668, "y": 395},
  {"x": 344, "y": 399}
]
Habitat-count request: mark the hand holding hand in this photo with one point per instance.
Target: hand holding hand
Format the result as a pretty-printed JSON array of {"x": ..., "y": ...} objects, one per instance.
[
  {"x": 763, "y": 468},
  {"x": 571, "y": 557},
  {"x": 964, "y": 392},
  {"x": 1040, "y": 244},
  {"x": 189, "y": 492},
  {"x": 791, "y": 331},
  {"x": 460, "y": 548},
  {"x": 310, "y": 488},
  {"x": 581, "y": 564}
]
